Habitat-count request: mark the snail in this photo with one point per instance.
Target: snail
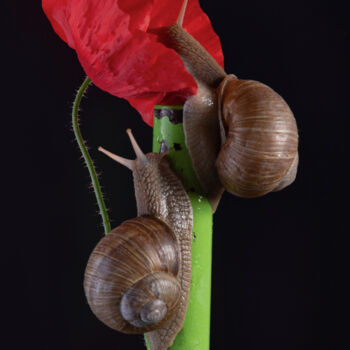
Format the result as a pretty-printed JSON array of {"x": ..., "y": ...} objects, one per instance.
[
  {"x": 137, "y": 279},
  {"x": 241, "y": 135}
]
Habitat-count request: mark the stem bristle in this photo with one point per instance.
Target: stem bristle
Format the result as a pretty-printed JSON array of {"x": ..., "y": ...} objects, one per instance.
[{"x": 86, "y": 156}]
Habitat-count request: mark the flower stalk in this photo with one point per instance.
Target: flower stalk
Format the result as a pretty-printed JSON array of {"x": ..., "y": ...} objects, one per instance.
[
  {"x": 195, "y": 333},
  {"x": 86, "y": 156}
]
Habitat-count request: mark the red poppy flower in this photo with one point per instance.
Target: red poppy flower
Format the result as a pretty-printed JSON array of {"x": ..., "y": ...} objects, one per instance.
[{"x": 117, "y": 47}]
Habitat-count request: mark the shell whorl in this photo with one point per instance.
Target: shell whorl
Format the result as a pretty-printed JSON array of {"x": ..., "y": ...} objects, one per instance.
[
  {"x": 160, "y": 193},
  {"x": 260, "y": 142},
  {"x": 161, "y": 196},
  {"x": 131, "y": 277},
  {"x": 261, "y": 160}
]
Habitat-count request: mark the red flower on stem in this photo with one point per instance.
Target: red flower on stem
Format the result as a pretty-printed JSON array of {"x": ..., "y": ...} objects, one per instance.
[{"x": 117, "y": 47}]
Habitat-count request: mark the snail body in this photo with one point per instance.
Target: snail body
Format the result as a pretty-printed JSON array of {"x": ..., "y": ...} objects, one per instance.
[
  {"x": 146, "y": 291},
  {"x": 138, "y": 277},
  {"x": 241, "y": 134}
]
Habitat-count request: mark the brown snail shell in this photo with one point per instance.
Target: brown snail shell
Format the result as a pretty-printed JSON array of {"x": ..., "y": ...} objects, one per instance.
[
  {"x": 241, "y": 135},
  {"x": 131, "y": 277},
  {"x": 260, "y": 138},
  {"x": 269, "y": 139},
  {"x": 138, "y": 277}
]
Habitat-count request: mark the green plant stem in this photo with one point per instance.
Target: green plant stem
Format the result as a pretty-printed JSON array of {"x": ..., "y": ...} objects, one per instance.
[
  {"x": 85, "y": 153},
  {"x": 195, "y": 334}
]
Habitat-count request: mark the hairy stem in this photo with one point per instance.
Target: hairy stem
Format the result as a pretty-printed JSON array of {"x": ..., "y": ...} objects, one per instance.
[{"x": 86, "y": 156}]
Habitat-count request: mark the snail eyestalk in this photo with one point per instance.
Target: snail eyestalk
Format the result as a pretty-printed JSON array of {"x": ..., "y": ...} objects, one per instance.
[
  {"x": 139, "y": 154},
  {"x": 181, "y": 15},
  {"x": 124, "y": 161}
]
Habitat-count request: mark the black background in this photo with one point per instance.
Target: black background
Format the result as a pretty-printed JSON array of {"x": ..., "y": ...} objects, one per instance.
[{"x": 273, "y": 257}]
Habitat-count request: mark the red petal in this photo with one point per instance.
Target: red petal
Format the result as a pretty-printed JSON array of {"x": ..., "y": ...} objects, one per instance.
[
  {"x": 139, "y": 11},
  {"x": 123, "y": 59},
  {"x": 58, "y": 11},
  {"x": 196, "y": 22},
  {"x": 144, "y": 105}
]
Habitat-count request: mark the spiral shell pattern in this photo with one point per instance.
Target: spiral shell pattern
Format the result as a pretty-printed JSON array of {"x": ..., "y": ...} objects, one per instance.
[
  {"x": 260, "y": 138},
  {"x": 131, "y": 277}
]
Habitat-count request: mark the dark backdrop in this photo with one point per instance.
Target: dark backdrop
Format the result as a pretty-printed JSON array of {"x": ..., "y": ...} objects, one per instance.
[{"x": 272, "y": 271}]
